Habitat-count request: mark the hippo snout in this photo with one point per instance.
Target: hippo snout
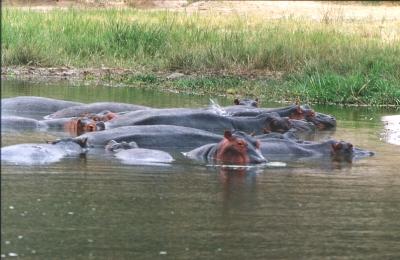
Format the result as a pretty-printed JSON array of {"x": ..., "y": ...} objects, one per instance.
[{"x": 257, "y": 157}]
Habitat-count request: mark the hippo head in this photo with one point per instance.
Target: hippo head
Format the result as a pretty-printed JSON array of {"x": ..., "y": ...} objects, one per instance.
[
  {"x": 115, "y": 146},
  {"x": 246, "y": 102},
  {"x": 297, "y": 112},
  {"x": 235, "y": 150},
  {"x": 322, "y": 121},
  {"x": 78, "y": 126},
  {"x": 342, "y": 151},
  {"x": 277, "y": 124},
  {"x": 105, "y": 116}
]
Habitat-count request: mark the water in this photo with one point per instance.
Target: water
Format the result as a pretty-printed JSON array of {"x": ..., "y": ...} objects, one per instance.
[{"x": 97, "y": 208}]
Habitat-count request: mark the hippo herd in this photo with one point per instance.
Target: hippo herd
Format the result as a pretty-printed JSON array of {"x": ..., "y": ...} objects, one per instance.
[{"x": 240, "y": 134}]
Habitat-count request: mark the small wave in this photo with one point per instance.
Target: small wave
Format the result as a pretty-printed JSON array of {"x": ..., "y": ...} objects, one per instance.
[{"x": 216, "y": 108}]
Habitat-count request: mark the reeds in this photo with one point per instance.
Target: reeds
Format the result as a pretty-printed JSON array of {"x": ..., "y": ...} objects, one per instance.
[{"x": 329, "y": 61}]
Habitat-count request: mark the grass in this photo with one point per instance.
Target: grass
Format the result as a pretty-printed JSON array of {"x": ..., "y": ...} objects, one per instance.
[{"x": 328, "y": 61}]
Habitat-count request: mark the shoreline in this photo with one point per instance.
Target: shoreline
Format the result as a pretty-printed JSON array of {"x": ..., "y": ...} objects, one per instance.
[{"x": 164, "y": 81}]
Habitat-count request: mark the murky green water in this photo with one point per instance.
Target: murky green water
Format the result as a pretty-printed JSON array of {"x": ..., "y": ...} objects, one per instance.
[{"x": 94, "y": 208}]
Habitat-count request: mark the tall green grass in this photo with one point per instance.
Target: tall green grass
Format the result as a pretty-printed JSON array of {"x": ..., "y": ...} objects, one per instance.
[{"x": 321, "y": 62}]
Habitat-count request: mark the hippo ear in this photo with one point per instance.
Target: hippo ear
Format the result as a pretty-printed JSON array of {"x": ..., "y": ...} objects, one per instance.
[
  {"x": 236, "y": 101},
  {"x": 228, "y": 134}
]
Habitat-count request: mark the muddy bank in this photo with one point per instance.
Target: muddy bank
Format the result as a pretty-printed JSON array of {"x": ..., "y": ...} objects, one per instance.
[{"x": 105, "y": 74}]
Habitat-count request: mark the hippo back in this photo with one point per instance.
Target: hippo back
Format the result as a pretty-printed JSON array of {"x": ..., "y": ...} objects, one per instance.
[
  {"x": 163, "y": 137},
  {"x": 95, "y": 108},
  {"x": 34, "y": 107},
  {"x": 17, "y": 123}
]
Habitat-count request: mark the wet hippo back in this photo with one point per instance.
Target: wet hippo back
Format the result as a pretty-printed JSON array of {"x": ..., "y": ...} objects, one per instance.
[
  {"x": 200, "y": 119},
  {"x": 98, "y": 107},
  {"x": 38, "y": 154},
  {"x": 34, "y": 107},
  {"x": 141, "y": 156},
  {"x": 17, "y": 123},
  {"x": 163, "y": 137}
]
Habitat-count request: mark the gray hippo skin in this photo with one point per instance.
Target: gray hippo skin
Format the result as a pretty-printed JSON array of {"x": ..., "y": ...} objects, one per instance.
[
  {"x": 235, "y": 148},
  {"x": 200, "y": 119},
  {"x": 95, "y": 108},
  {"x": 162, "y": 137},
  {"x": 34, "y": 107},
  {"x": 142, "y": 156},
  {"x": 130, "y": 153},
  {"x": 39, "y": 154},
  {"x": 287, "y": 150},
  {"x": 17, "y": 123},
  {"x": 322, "y": 121}
]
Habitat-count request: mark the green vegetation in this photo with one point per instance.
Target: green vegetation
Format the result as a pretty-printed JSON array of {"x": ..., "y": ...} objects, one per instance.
[{"x": 332, "y": 61}]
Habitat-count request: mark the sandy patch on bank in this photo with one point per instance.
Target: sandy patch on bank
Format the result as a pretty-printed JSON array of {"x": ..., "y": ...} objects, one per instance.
[{"x": 317, "y": 10}]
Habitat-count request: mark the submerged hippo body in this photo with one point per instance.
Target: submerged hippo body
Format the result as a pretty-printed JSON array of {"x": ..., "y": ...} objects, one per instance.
[
  {"x": 34, "y": 107},
  {"x": 141, "y": 156},
  {"x": 286, "y": 150},
  {"x": 17, "y": 123},
  {"x": 38, "y": 154},
  {"x": 95, "y": 108},
  {"x": 200, "y": 119},
  {"x": 304, "y": 112},
  {"x": 232, "y": 149},
  {"x": 162, "y": 137},
  {"x": 130, "y": 153}
]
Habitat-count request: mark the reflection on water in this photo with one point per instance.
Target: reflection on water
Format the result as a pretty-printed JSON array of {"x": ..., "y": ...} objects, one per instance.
[
  {"x": 391, "y": 131},
  {"x": 94, "y": 207}
]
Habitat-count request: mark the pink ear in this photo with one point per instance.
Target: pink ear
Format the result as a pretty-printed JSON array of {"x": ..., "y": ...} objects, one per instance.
[
  {"x": 236, "y": 101},
  {"x": 228, "y": 134}
]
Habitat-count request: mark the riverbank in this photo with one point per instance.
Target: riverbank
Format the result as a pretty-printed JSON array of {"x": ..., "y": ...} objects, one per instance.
[{"x": 329, "y": 61}]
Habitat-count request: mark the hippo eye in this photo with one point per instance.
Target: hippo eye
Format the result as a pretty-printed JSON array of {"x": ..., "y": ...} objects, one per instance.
[{"x": 240, "y": 143}]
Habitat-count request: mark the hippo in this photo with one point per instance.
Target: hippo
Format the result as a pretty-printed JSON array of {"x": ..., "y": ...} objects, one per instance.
[
  {"x": 320, "y": 120},
  {"x": 246, "y": 102},
  {"x": 81, "y": 125},
  {"x": 162, "y": 137},
  {"x": 17, "y": 123},
  {"x": 98, "y": 107},
  {"x": 287, "y": 150},
  {"x": 40, "y": 154},
  {"x": 293, "y": 111},
  {"x": 232, "y": 149},
  {"x": 201, "y": 119},
  {"x": 34, "y": 107},
  {"x": 130, "y": 153},
  {"x": 114, "y": 146},
  {"x": 304, "y": 112},
  {"x": 141, "y": 156}
]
